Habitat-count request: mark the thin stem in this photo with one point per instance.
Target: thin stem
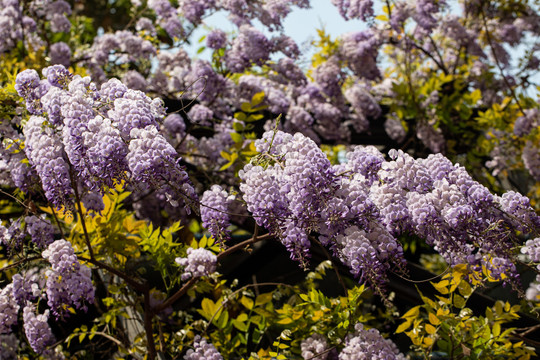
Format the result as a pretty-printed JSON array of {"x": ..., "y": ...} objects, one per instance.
[
  {"x": 17, "y": 263},
  {"x": 129, "y": 280},
  {"x": 57, "y": 222},
  {"x": 505, "y": 79},
  {"x": 244, "y": 244},
  {"x": 192, "y": 281},
  {"x": 80, "y": 212},
  {"x": 148, "y": 318},
  {"x": 177, "y": 295}
]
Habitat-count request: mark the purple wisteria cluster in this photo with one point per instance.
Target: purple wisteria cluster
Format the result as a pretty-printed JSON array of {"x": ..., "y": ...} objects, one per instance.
[
  {"x": 37, "y": 330},
  {"x": 313, "y": 346},
  {"x": 369, "y": 344},
  {"x": 69, "y": 283},
  {"x": 84, "y": 139},
  {"x": 202, "y": 350},
  {"x": 359, "y": 208},
  {"x": 532, "y": 250},
  {"x": 361, "y": 345},
  {"x": 215, "y": 205},
  {"x": 199, "y": 262}
]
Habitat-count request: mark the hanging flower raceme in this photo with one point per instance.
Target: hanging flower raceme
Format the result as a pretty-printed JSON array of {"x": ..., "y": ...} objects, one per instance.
[{"x": 100, "y": 136}]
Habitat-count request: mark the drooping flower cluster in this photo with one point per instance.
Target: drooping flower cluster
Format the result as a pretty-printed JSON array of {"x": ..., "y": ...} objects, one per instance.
[
  {"x": 69, "y": 283},
  {"x": 199, "y": 262},
  {"x": 369, "y": 344},
  {"x": 37, "y": 330},
  {"x": 41, "y": 231},
  {"x": 202, "y": 350},
  {"x": 44, "y": 150},
  {"x": 103, "y": 133},
  {"x": 8, "y": 346},
  {"x": 314, "y": 345},
  {"x": 8, "y": 309},
  {"x": 28, "y": 285},
  {"x": 215, "y": 212},
  {"x": 361, "y": 206}
]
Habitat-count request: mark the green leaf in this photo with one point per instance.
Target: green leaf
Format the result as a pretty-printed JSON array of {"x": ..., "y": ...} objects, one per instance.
[
  {"x": 459, "y": 301},
  {"x": 247, "y": 302},
  {"x": 257, "y": 99},
  {"x": 246, "y": 107},
  {"x": 238, "y": 126},
  {"x": 237, "y": 138},
  {"x": 263, "y": 299},
  {"x": 403, "y": 326},
  {"x": 240, "y": 116}
]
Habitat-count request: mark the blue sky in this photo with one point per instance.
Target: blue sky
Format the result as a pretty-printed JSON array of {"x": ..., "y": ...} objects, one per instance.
[{"x": 300, "y": 24}]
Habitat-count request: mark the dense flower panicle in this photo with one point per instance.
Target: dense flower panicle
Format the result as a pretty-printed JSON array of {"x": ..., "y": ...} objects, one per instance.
[
  {"x": 28, "y": 85},
  {"x": 369, "y": 254},
  {"x": 68, "y": 282},
  {"x": 204, "y": 82},
  {"x": 313, "y": 345},
  {"x": 328, "y": 76},
  {"x": 153, "y": 162},
  {"x": 9, "y": 309},
  {"x": 41, "y": 231},
  {"x": 112, "y": 89},
  {"x": 519, "y": 207},
  {"x": 60, "y": 53},
  {"x": 360, "y": 50},
  {"x": 77, "y": 110},
  {"x": 365, "y": 160},
  {"x": 106, "y": 152},
  {"x": 524, "y": 124},
  {"x": 8, "y": 346},
  {"x": 174, "y": 125},
  {"x": 310, "y": 177},
  {"x": 250, "y": 47},
  {"x": 355, "y": 9},
  {"x": 201, "y": 114},
  {"x": 36, "y": 328},
  {"x": 289, "y": 71},
  {"x": 532, "y": 249},
  {"x": 216, "y": 39},
  {"x": 146, "y": 25},
  {"x": 58, "y": 75},
  {"x": 52, "y": 104},
  {"x": 134, "y": 80},
  {"x": 45, "y": 152},
  {"x": 369, "y": 344},
  {"x": 531, "y": 159},
  {"x": 533, "y": 291},
  {"x": 10, "y": 26},
  {"x": 262, "y": 191},
  {"x": 425, "y": 13},
  {"x": 202, "y": 350},
  {"x": 199, "y": 262},
  {"x": 362, "y": 101},
  {"x": 214, "y": 212},
  {"x": 134, "y": 110},
  {"x": 28, "y": 286}
]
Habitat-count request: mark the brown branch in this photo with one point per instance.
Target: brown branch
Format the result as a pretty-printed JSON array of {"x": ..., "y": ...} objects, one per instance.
[
  {"x": 181, "y": 292},
  {"x": 22, "y": 261},
  {"x": 148, "y": 319},
  {"x": 79, "y": 210},
  {"x": 244, "y": 244},
  {"x": 129, "y": 280},
  {"x": 505, "y": 79}
]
